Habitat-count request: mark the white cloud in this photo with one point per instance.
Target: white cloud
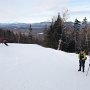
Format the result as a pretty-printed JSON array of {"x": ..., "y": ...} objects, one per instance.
[
  {"x": 48, "y": 5},
  {"x": 79, "y": 9},
  {"x": 40, "y": 9},
  {"x": 13, "y": 10},
  {"x": 80, "y": 12}
]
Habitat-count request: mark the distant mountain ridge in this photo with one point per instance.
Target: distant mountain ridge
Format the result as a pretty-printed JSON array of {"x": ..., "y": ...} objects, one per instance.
[
  {"x": 24, "y": 27},
  {"x": 36, "y": 27}
]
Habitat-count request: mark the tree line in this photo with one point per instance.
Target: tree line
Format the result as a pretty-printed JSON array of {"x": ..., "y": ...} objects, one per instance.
[
  {"x": 67, "y": 38},
  {"x": 17, "y": 37},
  {"x": 58, "y": 35}
]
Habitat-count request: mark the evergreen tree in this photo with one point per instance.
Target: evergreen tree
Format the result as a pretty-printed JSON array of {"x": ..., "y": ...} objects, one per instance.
[
  {"x": 77, "y": 26},
  {"x": 49, "y": 36},
  {"x": 54, "y": 33},
  {"x": 85, "y": 33},
  {"x": 30, "y": 35}
]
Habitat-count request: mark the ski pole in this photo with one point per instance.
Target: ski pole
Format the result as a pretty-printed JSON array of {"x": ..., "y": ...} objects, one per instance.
[
  {"x": 88, "y": 70},
  {"x": 89, "y": 64}
]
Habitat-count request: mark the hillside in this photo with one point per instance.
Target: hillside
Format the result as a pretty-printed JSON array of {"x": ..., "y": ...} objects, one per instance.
[{"x": 32, "y": 67}]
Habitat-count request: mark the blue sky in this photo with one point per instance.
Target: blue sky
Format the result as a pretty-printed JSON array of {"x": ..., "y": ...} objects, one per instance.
[{"x": 30, "y": 11}]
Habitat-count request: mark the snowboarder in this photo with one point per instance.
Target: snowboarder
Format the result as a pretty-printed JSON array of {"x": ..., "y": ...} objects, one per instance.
[{"x": 82, "y": 58}]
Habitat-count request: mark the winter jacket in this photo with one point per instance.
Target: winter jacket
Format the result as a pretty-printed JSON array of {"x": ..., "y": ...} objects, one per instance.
[{"x": 82, "y": 56}]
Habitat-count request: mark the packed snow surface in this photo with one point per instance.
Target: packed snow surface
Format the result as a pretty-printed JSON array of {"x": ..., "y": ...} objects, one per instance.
[{"x": 32, "y": 67}]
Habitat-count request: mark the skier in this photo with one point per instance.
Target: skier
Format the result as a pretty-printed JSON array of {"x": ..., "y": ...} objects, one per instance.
[
  {"x": 5, "y": 42},
  {"x": 82, "y": 58}
]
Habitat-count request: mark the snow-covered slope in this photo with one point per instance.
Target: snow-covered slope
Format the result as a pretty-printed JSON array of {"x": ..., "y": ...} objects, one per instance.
[{"x": 32, "y": 67}]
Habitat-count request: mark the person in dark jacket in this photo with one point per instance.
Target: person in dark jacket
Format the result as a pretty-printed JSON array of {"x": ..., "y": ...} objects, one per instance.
[
  {"x": 82, "y": 58},
  {"x": 5, "y": 42}
]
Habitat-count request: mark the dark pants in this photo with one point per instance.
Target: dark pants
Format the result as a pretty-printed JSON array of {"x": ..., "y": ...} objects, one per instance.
[{"x": 81, "y": 64}]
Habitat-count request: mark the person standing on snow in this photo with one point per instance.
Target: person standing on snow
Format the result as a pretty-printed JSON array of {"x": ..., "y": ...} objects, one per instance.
[{"x": 82, "y": 58}]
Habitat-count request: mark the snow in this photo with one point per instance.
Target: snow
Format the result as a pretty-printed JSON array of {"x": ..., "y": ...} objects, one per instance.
[{"x": 32, "y": 67}]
